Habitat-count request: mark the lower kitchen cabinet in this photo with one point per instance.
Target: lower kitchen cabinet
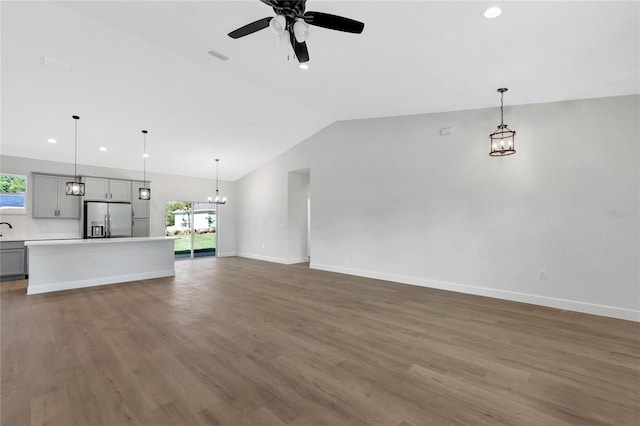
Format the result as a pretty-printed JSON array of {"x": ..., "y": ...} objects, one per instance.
[
  {"x": 13, "y": 260},
  {"x": 140, "y": 228}
]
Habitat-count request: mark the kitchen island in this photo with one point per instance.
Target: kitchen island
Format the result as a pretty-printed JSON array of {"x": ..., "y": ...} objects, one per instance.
[{"x": 67, "y": 264}]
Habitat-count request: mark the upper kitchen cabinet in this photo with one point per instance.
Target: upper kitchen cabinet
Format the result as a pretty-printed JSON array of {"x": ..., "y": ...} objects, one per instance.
[
  {"x": 50, "y": 200},
  {"x": 139, "y": 208},
  {"x": 102, "y": 189}
]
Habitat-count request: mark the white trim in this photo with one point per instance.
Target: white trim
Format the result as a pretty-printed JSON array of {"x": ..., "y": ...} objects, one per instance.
[
  {"x": 272, "y": 259},
  {"x": 69, "y": 285},
  {"x": 299, "y": 260},
  {"x": 552, "y": 302},
  {"x": 229, "y": 254}
]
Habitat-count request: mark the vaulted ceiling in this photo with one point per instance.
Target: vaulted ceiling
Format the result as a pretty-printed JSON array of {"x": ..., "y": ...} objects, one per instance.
[{"x": 124, "y": 66}]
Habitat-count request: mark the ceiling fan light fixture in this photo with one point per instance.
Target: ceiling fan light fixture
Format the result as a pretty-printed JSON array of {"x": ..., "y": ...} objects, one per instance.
[
  {"x": 304, "y": 66},
  {"x": 278, "y": 24},
  {"x": 301, "y": 30},
  {"x": 293, "y": 21},
  {"x": 283, "y": 40}
]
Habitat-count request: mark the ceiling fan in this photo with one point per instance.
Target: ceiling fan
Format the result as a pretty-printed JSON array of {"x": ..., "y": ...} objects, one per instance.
[{"x": 292, "y": 18}]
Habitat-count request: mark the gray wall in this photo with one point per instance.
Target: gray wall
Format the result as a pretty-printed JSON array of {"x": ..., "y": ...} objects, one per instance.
[{"x": 392, "y": 199}]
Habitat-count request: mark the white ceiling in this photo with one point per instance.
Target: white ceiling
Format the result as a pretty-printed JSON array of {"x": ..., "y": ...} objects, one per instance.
[{"x": 143, "y": 64}]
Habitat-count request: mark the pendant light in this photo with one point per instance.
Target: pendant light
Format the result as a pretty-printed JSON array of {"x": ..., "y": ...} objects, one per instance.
[
  {"x": 144, "y": 193},
  {"x": 76, "y": 187},
  {"x": 218, "y": 200},
  {"x": 503, "y": 139}
]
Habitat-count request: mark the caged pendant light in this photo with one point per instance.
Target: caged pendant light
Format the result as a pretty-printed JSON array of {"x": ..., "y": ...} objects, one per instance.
[
  {"x": 76, "y": 187},
  {"x": 503, "y": 139},
  {"x": 144, "y": 193},
  {"x": 218, "y": 199}
]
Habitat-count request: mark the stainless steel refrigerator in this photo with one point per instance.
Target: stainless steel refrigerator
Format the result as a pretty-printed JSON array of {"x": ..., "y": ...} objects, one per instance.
[{"x": 107, "y": 220}]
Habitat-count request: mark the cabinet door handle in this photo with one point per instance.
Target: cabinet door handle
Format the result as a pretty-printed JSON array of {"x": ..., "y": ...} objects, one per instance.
[{"x": 106, "y": 196}]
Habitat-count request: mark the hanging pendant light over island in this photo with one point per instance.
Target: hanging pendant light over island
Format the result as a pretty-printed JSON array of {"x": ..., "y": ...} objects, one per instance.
[
  {"x": 75, "y": 187},
  {"x": 144, "y": 193}
]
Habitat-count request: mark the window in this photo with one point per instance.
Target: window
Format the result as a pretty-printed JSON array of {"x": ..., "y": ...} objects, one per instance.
[
  {"x": 194, "y": 226},
  {"x": 13, "y": 189}
]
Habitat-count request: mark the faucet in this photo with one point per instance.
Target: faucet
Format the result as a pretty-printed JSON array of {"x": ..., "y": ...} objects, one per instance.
[{"x": 5, "y": 223}]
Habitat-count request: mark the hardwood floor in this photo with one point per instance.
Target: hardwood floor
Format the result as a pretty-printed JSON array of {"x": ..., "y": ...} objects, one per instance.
[{"x": 241, "y": 342}]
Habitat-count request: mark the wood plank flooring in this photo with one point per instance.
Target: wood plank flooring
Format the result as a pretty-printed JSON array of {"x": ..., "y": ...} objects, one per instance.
[{"x": 241, "y": 342}]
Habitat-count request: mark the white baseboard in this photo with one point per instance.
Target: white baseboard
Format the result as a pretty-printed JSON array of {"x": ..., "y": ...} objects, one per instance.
[
  {"x": 226, "y": 254},
  {"x": 299, "y": 260},
  {"x": 70, "y": 285},
  {"x": 272, "y": 259},
  {"x": 552, "y": 302}
]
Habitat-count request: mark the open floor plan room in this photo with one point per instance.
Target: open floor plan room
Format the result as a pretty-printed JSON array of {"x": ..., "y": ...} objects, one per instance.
[
  {"x": 320, "y": 213},
  {"x": 243, "y": 342}
]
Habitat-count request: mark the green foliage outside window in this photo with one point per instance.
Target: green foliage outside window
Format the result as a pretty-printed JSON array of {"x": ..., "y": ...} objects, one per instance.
[
  {"x": 12, "y": 184},
  {"x": 170, "y": 207}
]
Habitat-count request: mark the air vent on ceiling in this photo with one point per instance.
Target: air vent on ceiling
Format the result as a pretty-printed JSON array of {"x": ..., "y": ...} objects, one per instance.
[
  {"x": 218, "y": 55},
  {"x": 52, "y": 63}
]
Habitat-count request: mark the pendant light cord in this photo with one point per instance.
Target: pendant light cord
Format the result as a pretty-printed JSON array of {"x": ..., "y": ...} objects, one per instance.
[
  {"x": 501, "y": 109},
  {"x": 75, "y": 148},
  {"x": 144, "y": 161},
  {"x": 217, "y": 168}
]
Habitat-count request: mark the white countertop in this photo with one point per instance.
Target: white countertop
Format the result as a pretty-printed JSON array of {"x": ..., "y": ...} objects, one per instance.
[{"x": 95, "y": 241}]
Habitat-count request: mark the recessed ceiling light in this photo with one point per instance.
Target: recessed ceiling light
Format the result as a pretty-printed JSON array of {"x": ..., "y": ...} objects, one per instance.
[
  {"x": 51, "y": 140},
  {"x": 303, "y": 66},
  {"x": 492, "y": 12},
  {"x": 145, "y": 155},
  {"x": 102, "y": 148}
]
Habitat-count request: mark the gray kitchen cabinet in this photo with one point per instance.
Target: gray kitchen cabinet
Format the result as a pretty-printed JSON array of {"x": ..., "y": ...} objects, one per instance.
[
  {"x": 140, "y": 228},
  {"x": 140, "y": 208},
  {"x": 103, "y": 189},
  {"x": 12, "y": 260},
  {"x": 96, "y": 189},
  {"x": 119, "y": 190},
  {"x": 50, "y": 200}
]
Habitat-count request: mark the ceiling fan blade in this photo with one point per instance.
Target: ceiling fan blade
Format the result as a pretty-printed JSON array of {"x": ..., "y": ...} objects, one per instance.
[
  {"x": 300, "y": 49},
  {"x": 333, "y": 22},
  {"x": 251, "y": 28}
]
